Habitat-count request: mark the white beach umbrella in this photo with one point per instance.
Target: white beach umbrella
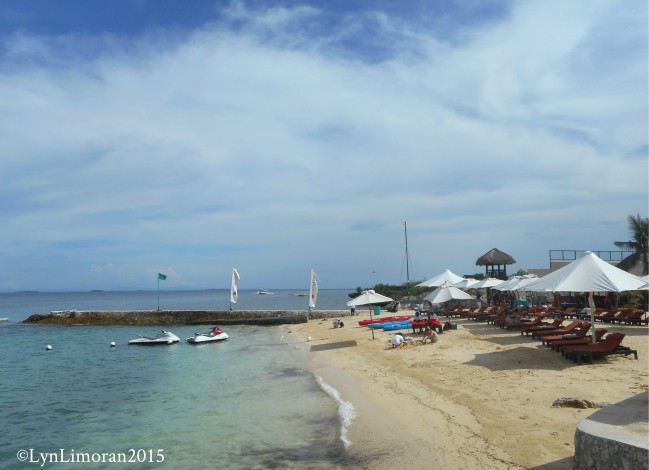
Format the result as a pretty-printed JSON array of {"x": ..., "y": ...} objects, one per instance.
[
  {"x": 488, "y": 284},
  {"x": 370, "y": 298},
  {"x": 441, "y": 278},
  {"x": 587, "y": 274},
  {"x": 447, "y": 292}
]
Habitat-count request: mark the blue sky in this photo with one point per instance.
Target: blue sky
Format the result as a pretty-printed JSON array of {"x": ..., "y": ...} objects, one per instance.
[{"x": 193, "y": 137}]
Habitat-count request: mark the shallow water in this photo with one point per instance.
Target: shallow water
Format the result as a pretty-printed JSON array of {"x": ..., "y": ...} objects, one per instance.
[{"x": 249, "y": 402}]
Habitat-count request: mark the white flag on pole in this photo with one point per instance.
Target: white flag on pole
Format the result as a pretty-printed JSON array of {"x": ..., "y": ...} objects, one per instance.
[
  {"x": 234, "y": 292},
  {"x": 313, "y": 291}
]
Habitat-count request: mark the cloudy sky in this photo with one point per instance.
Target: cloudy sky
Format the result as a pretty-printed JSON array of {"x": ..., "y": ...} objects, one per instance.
[{"x": 192, "y": 137}]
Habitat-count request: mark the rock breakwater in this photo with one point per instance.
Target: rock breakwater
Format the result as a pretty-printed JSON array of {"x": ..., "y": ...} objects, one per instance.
[{"x": 180, "y": 317}]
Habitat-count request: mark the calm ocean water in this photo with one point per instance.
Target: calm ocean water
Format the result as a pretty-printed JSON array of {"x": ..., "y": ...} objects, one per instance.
[{"x": 248, "y": 403}]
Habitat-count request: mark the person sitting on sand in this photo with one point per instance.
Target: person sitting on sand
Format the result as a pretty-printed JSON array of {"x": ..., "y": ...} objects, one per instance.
[
  {"x": 396, "y": 340},
  {"x": 430, "y": 335}
]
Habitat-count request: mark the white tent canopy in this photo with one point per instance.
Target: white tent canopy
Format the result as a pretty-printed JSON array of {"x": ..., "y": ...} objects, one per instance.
[
  {"x": 586, "y": 274},
  {"x": 517, "y": 282},
  {"x": 445, "y": 276},
  {"x": 467, "y": 283},
  {"x": 487, "y": 282}
]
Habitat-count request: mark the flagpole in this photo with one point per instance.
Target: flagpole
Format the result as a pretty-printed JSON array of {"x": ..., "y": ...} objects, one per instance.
[
  {"x": 158, "y": 292},
  {"x": 405, "y": 231}
]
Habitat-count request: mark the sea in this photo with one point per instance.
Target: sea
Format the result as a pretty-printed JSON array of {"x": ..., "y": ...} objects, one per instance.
[{"x": 250, "y": 402}]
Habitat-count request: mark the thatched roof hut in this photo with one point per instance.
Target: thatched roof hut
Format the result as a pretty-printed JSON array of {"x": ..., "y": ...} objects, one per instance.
[{"x": 493, "y": 260}]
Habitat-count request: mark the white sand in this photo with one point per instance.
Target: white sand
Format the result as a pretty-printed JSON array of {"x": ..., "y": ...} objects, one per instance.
[{"x": 479, "y": 398}]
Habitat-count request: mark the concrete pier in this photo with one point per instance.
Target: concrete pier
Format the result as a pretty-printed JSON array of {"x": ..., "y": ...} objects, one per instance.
[{"x": 181, "y": 317}]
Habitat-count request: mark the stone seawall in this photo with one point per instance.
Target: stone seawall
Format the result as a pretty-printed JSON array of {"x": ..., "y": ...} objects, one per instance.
[
  {"x": 181, "y": 317},
  {"x": 615, "y": 437}
]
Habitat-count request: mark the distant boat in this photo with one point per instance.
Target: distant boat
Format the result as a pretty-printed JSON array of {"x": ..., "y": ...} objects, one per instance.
[
  {"x": 301, "y": 294},
  {"x": 4, "y": 319},
  {"x": 264, "y": 292}
]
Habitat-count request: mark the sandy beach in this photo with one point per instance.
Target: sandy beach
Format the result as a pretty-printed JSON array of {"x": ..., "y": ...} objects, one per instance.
[{"x": 479, "y": 398}]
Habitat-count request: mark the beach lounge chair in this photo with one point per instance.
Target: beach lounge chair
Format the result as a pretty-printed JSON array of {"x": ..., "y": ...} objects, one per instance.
[
  {"x": 455, "y": 311},
  {"x": 569, "y": 328},
  {"x": 636, "y": 318},
  {"x": 558, "y": 344},
  {"x": 536, "y": 322},
  {"x": 569, "y": 312},
  {"x": 599, "y": 313},
  {"x": 507, "y": 316},
  {"x": 493, "y": 313},
  {"x": 552, "y": 326},
  {"x": 500, "y": 316},
  {"x": 475, "y": 313},
  {"x": 609, "y": 316},
  {"x": 468, "y": 311},
  {"x": 577, "y": 333},
  {"x": 621, "y": 316},
  {"x": 612, "y": 344}
]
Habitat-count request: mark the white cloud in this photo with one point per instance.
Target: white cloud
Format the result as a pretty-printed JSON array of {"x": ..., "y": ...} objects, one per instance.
[{"x": 263, "y": 147}]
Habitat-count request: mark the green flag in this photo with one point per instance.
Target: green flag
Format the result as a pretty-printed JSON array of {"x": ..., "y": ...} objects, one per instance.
[{"x": 162, "y": 277}]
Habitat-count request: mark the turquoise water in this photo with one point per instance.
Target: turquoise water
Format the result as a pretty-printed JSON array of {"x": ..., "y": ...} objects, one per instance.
[{"x": 247, "y": 403}]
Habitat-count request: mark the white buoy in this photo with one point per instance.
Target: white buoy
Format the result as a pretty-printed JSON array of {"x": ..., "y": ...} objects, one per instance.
[
  {"x": 48, "y": 347},
  {"x": 112, "y": 344}
]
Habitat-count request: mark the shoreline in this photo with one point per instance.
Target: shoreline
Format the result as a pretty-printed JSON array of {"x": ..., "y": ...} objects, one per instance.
[{"x": 479, "y": 398}]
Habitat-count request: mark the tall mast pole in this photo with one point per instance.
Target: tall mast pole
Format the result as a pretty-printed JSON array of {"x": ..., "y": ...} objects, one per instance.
[{"x": 405, "y": 232}]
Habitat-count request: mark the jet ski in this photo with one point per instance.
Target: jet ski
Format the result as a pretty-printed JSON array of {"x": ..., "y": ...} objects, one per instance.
[
  {"x": 215, "y": 335},
  {"x": 165, "y": 337}
]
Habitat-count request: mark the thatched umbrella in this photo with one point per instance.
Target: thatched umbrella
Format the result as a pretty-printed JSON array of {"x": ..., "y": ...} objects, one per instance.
[{"x": 493, "y": 260}]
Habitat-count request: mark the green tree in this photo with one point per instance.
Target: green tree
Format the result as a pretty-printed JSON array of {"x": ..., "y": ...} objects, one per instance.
[{"x": 639, "y": 244}]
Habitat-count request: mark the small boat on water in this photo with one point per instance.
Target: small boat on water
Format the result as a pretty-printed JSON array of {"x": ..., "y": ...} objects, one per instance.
[
  {"x": 213, "y": 336},
  {"x": 165, "y": 337},
  {"x": 264, "y": 292},
  {"x": 3, "y": 319}
]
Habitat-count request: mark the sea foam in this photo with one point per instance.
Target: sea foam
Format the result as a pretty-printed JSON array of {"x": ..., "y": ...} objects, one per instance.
[{"x": 346, "y": 412}]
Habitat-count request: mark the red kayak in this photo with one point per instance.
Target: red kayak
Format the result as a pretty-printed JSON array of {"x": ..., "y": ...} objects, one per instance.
[{"x": 383, "y": 320}]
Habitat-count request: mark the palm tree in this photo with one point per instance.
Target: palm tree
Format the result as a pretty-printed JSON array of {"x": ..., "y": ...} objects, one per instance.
[{"x": 639, "y": 244}]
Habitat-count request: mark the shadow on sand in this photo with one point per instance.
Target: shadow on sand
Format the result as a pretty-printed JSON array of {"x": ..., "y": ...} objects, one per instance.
[{"x": 520, "y": 358}]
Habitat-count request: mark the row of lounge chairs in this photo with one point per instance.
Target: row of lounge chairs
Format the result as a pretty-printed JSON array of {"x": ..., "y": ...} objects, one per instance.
[
  {"x": 622, "y": 316},
  {"x": 572, "y": 339}
]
